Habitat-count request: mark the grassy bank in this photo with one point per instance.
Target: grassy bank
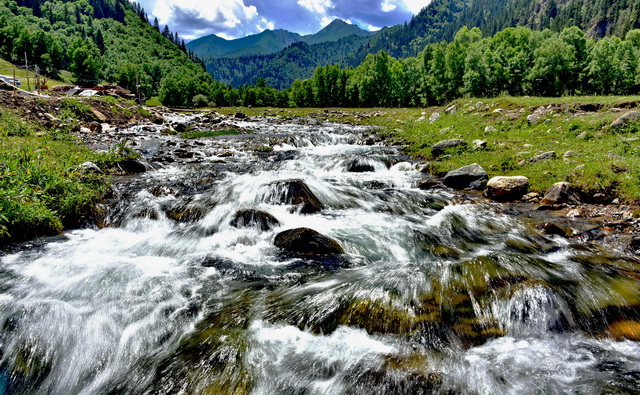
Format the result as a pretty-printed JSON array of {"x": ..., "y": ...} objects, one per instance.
[
  {"x": 588, "y": 152},
  {"x": 43, "y": 188}
]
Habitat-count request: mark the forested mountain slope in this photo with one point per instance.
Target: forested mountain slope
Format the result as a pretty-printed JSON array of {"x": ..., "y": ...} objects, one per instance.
[
  {"x": 98, "y": 40},
  {"x": 437, "y": 22}
]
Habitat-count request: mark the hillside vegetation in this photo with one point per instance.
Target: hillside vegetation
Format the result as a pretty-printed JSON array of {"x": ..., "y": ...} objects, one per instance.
[{"x": 97, "y": 40}]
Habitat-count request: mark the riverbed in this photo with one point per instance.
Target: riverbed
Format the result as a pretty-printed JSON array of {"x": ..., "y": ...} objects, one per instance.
[{"x": 434, "y": 291}]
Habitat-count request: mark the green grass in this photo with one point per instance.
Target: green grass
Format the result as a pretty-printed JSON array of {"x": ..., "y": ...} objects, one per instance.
[
  {"x": 42, "y": 188},
  {"x": 603, "y": 160},
  {"x": 153, "y": 101},
  {"x": 213, "y": 133}
]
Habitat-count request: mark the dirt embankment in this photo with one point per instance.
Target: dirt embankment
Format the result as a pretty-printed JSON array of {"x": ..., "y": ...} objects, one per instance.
[{"x": 48, "y": 111}]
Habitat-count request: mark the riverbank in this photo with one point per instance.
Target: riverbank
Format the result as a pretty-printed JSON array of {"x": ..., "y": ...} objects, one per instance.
[{"x": 505, "y": 134}]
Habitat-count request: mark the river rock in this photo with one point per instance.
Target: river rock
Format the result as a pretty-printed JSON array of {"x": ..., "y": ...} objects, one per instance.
[
  {"x": 240, "y": 115},
  {"x": 295, "y": 192},
  {"x": 131, "y": 166},
  {"x": 440, "y": 147},
  {"x": 180, "y": 127},
  {"x": 307, "y": 242},
  {"x": 468, "y": 177},
  {"x": 630, "y": 117},
  {"x": 544, "y": 156},
  {"x": 358, "y": 165},
  {"x": 254, "y": 218},
  {"x": 560, "y": 192},
  {"x": 428, "y": 183},
  {"x": 507, "y": 188}
]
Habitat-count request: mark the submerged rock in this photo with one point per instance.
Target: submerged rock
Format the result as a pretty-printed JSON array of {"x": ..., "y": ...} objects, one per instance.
[
  {"x": 295, "y": 192},
  {"x": 507, "y": 188},
  {"x": 307, "y": 242},
  {"x": 254, "y": 218},
  {"x": 468, "y": 177}
]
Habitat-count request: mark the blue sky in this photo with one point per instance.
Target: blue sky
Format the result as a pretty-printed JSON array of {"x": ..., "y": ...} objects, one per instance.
[{"x": 239, "y": 18}]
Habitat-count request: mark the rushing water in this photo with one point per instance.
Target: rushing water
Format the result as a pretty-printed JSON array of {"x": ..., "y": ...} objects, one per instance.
[{"x": 432, "y": 294}]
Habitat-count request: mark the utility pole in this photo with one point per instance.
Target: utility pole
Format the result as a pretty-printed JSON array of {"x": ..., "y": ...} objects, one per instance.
[{"x": 26, "y": 66}]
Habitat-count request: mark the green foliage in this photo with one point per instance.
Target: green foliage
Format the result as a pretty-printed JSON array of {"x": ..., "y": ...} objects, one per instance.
[
  {"x": 12, "y": 126},
  {"x": 516, "y": 61}
]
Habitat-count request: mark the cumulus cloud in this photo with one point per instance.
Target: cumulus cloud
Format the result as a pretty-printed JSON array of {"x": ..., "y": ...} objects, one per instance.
[{"x": 239, "y": 18}]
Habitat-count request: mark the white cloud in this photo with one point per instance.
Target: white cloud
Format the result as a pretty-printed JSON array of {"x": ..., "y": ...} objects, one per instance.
[
  {"x": 317, "y": 6},
  {"x": 414, "y": 6},
  {"x": 388, "y": 6}
]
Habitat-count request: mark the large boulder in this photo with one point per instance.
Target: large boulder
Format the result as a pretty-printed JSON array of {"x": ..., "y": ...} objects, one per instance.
[
  {"x": 254, "y": 219},
  {"x": 468, "y": 177},
  {"x": 507, "y": 188},
  {"x": 131, "y": 166},
  {"x": 440, "y": 147},
  {"x": 630, "y": 117},
  {"x": 296, "y": 192},
  {"x": 561, "y": 192},
  {"x": 307, "y": 242}
]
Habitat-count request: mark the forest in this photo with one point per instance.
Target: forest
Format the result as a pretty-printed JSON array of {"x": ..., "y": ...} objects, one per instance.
[{"x": 516, "y": 61}]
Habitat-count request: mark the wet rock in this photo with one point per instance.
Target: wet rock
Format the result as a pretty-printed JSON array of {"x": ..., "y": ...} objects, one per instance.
[
  {"x": 307, "y": 242},
  {"x": 240, "y": 115},
  {"x": 378, "y": 317},
  {"x": 626, "y": 329},
  {"x": 630, "y": 117},
  {"x": 634, "y": 245},
  {"x": 507, "y": 188},
  {"x": 131, "y": 166},
  {"x": 440, "y": 147},
  {"x": 180, "y": 127},
  {"x": 295, "y": 192},
  {"x": 544, "y": 156},
  {"x": 254, "y": 219},
  {"x": 358, "y": 165},
  {"x": 549, "y": 228},
  {"x": 561, "y": 192},
  {"x": 468, "y": 177},
  {"x": 428, "y": 183},
  {"x": 158, "y": 119}
]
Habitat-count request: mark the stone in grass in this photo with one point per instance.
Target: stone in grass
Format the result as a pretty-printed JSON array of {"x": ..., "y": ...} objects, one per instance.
[
  {"x": 440, "y": 147},
  {"x": 544, "y": 156},
  {"x": 507, "y": 189},
  {"x": 630, "y": 117},
  {"x": 468, "y": 177},
  {"x": 307, "y": 241}
]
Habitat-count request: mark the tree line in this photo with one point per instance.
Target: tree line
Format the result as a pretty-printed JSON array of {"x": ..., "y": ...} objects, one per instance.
[{"x": 516, "y": 61}]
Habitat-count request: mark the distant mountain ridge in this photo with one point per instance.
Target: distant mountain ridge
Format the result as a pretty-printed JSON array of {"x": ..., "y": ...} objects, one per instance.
[{"x": 269, "y": 41}]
